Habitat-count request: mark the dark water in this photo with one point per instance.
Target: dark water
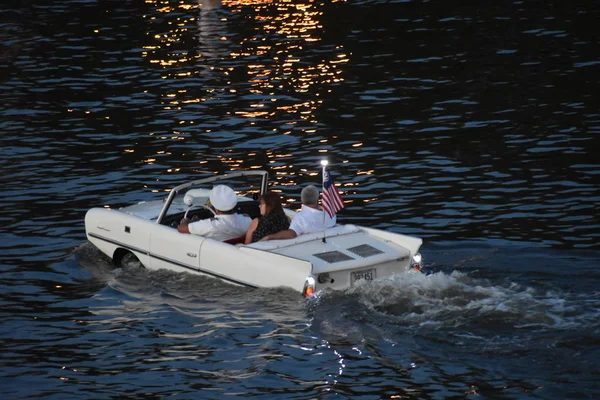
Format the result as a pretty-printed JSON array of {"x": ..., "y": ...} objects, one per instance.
[{"x": 474, "y": 125}]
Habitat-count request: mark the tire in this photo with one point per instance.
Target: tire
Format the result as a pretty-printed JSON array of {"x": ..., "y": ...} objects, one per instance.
[{"x": 129, "y": 260}]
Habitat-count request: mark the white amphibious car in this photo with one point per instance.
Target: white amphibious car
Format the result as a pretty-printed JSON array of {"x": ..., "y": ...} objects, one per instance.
[{"x": 336, "y": 258}]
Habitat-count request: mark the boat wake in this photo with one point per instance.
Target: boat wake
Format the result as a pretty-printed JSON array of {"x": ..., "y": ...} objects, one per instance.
[{"x": 466, "y": 308}]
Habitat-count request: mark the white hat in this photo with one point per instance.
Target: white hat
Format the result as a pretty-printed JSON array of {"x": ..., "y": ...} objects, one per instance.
[{"x": 223, "y": 198}]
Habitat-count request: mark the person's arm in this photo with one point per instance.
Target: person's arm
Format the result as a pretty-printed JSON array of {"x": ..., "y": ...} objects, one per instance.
[
  {"x": 287, "y": 234},
  {"x": 201, "y": 228},
  {"x": 251, "y": 230},
  {"x": 183, "y": 226}
]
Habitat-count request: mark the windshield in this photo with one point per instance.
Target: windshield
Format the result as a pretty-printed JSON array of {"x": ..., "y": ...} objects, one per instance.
[{"x": 248, "y": 185}]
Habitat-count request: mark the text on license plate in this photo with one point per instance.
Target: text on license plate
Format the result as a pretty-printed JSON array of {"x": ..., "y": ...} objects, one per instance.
[{"x": 365, "y": 274}]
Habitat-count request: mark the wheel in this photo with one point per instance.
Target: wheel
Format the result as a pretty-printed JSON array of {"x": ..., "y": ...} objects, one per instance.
[
  {"x": 204, "y": 206},
  {"x": 129, "y": 260}
]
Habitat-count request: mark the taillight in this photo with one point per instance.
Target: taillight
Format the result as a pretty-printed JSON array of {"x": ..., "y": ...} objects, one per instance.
[
  {"x": 309, "y": 286},
  {"x": 417, "y": 262}
]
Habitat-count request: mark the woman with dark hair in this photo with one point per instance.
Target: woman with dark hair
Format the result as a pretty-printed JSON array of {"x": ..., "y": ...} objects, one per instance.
[{"x": 272, "y": 218}]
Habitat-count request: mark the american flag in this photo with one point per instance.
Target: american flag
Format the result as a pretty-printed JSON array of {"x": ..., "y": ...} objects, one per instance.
[{"x": 332, "y": 201}]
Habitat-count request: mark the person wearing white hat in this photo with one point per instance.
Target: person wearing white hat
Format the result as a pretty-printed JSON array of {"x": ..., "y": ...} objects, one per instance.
[{"x": 227, "y": 224}]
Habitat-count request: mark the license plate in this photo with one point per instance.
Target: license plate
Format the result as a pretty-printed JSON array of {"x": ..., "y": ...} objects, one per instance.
[{"x": 364, "y": 275}]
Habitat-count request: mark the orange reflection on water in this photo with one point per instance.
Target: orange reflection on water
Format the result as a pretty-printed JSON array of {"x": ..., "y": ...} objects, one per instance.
[
  {"x": 286, "y": 63},
  {"x": 260, "y": 50}
]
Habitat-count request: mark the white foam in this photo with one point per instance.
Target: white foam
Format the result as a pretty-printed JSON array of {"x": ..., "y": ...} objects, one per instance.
[{"x": 457, "y": 299}]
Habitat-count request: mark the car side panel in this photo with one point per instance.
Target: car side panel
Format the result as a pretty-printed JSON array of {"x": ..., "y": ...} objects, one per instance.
[
  {"x": 110, "y": 230},
  {"x": 246, "y": 266},
  {"x": 172, "y": 250}
]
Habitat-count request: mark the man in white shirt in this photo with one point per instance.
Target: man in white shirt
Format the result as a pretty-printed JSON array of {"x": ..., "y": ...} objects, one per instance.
[
  {"x": 309, "y": 219},
  {"x": 227, "y": 224}
]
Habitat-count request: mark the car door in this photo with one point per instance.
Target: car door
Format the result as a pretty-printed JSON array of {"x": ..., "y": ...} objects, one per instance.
[{"x": 172, "y": 250}]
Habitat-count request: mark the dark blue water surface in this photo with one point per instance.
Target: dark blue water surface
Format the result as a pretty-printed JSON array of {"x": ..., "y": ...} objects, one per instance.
[{"x": 473, "y": 125}]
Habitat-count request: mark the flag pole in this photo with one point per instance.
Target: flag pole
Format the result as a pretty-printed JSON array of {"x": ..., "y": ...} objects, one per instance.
[{"x": 324, "y": 165}]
